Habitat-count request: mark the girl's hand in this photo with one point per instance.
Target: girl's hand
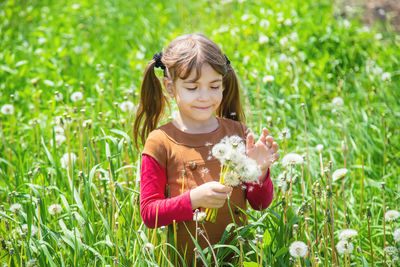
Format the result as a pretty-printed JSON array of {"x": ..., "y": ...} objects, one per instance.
[
  {"x": 264, "y": 151},
  {"x": 209, "y": 195}
]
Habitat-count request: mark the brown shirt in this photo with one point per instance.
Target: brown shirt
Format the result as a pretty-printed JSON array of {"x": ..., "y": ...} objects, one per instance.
[{"x": 189, "y": 163}]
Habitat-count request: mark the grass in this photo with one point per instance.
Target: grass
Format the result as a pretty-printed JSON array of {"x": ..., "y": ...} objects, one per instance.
[{"x": 101, "y": 48}]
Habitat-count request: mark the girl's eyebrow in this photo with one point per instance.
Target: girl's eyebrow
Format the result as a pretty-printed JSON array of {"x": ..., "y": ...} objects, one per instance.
[{"x": 193, "y": 81}]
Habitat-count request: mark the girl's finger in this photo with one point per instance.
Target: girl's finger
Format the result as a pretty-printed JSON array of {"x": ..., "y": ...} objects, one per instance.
[
  {"x": 274, "y": 147},
  {"x": 249, "y": 141},
  {"x": 269, "y": 141},
  {"x": 276, "y": 156},
  {"x": 264, "y": 135}
]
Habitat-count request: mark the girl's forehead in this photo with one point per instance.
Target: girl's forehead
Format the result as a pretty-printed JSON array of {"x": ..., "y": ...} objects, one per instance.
[{"x": 206, "y": 74}]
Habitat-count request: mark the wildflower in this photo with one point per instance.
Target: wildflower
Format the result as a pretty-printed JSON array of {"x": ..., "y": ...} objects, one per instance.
[
  {"x": 263, "y": 39},
  {"x": 396, "y": 235},
  {"x": 127, "y": 106},
  {"x": 7, "y": 109},
  {"x": 347, "y": 234},
  {"x": 319, "y": 148},
  {"x": 264, "y": 23},
  {"x": 338, "y": 101},
  {"x": 199, "y": 216},
  {"x": 292, "y": 159},
  {"x": 344, "y": 246},
  {"x": 25, "y": 227},
  {"x": 298, "y": 249},
  {"x": 15, "y": 207},
  {"x": 339, "y": 173},
  {"x": 66, "y": 158},
  {"x": 54, "y": 209},
  {"x": 386, "y": 76},
  {"x": 59, "y": 140},
  {"x": 87, "y": 123},
  {"x": 249, "y": 170},
  {"x": 284, "y": 134},
  {"x": 268, "y": 78},
  {"x": 76, "y": 96},
  {"x": 58, "y": 96},
  {"x": 390, "y": 250},
  {"x": 149, "y": 247},
  {"x": 392, "y": 215}
]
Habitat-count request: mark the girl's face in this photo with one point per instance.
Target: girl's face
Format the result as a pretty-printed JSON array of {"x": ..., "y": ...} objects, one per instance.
[{"x": 197, "y": 100}]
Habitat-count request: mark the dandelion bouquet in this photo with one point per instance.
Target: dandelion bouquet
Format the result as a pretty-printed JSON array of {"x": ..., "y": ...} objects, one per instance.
[{"x": 236, "y": 167}]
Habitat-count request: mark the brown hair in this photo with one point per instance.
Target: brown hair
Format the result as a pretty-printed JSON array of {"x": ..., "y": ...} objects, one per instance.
[{"x": 184, "y": 54}]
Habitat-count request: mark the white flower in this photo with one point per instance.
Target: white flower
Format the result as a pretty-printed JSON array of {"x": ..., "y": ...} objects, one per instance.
[
  {"x": 386, "y": 76},
  {"x": 59, "y": 140},
  {"x": 347, "y": 234},
  {"x": 127, "y": 106},
  {"x": 264, "y": 23},
  {"x": 149, "y": 247},
  {"x": 199, "y": 216},
  {"x": 232, "y": 178},
  {"x": 390, "y": 250},
  {"x": 292, "y": 158},
  {"x": 268, "y": 78},
  {"x": 58, "y": 97},
  {"x": 15, "y": 207},
  {"x": 87, "y": 123},
  {"x": 339, "y": 173},
  {"x": 58, "y": 130},
  {"x": 298, "y": 249},
  {"x": 392, "y": 215},
  {"x": 249, "y": 171},
  {"x": 396, "y": 235},
  {"x": 338, "y": 101},
  {"x": 65, "y": 160},
  {"x": 344, "y": 246},
  {"x": 220, "y": 151},
  {"x": 76, "y": 96},
  {"x": 288, "y": 22},
  {"x": 319, "y": 148},
  {"x": 263, "y": 39},
  {"x": 7, "y": 109},
  {"x": 24, "y": 229},
  {"x": 54, "y": 209}
]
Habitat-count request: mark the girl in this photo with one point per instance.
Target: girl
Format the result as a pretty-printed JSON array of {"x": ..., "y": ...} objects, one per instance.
[{"x": 178, "y": 175}]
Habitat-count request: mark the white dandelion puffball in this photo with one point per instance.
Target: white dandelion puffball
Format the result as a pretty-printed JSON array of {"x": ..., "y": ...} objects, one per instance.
[
  {"x": 319, "y": 148},
  {"x": 58, "y": 130},
  {"x": 249, "y": 170},
  {"x": 7, "y": 109},
  {"x": 396, "y": 235},
  {"x": 59, "y": 140},
  {"x": 127, "y": 106},
  {"x": 344, "y": 246},
  {"x": 386, "y": 76},
  {"x": 347, "y": 234},
  {"x": 263, "y": 39},
  {"x": 292, "y": 159},
  {"x": 298, "y": 249},
  {"x": 339, "y": 173},
  {"x": 65, "y": 160},
  {"x": 149, "y": 247},
  {"x": 76, "y": 96},
  {"x": 338, "y": 101},
  {"x": 390, "y": 250},
  {"x": 268, "y": 78},
  {"x": 54, "y": 209},
  {"x": 58, "y": 97},
  {"x": 24, "y": 229},
  {"x": 392, "y": 215},
  {"x": 199, "y": 216},
  {"x": 15, "y": 207}
]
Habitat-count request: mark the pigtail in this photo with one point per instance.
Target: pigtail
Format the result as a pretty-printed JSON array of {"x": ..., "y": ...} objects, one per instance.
[
  {"x": 151, "y": 107},
  {"x": 231, "y": 107}
]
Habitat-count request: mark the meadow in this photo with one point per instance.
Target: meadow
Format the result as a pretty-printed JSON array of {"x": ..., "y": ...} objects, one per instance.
[{"x": 326, "y": 86}]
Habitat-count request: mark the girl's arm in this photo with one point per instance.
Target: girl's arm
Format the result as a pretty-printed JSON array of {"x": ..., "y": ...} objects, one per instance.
[
  {"x": 260, "y": 195},
  {"x": 153, "y": 204}
]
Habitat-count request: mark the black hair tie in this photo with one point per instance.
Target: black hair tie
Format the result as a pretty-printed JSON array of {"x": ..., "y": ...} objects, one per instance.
[
  {"x": 157, "y": 58},
  {"x": 227, "y": 60}
]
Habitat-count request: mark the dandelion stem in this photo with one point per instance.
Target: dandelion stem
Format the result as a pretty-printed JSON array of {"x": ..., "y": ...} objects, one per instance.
[
  {"x": 369, "y": 235},
  {"x": 362, "y": 186},
  {"x": 307, "y": 149},
  {"x": 384, "y": 222}
]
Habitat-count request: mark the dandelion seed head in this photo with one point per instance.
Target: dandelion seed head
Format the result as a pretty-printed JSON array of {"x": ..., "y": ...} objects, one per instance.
[
  {"x": 127, "y": 106},
  {"x": 199, "y": 216},
  {"x": 292, "y": 159},
  {"x": 24, "y": 229},
  {"x": 347, "y": 234},
  {"x": 149, "y": 247},
  {"x": 339, "y": 173},
  {"x": 15, "y": 207},
  {"x": 7, "y": 109},
  {"x": 76, "y": 96},
  {"x": 59, "y": 140},
  {"x": 65, "y": 160},
  {"x": 392, "y": 215},
  {"x": 344, "y": 246},
  {"x": 58, "y": 97},
  {"x": 268, "y": 78},
  {"x": 390, "y": 250},
  {"x": 298, "y": 249},
  {"x": 263, "y": 39},
  {"x": 396, "y": 235},
  {"x": 58, "y": 130},
  {"x": 319, "y": 148},
  {"x": 338, "y": 101},
  {"x": 386, "y": 76},
  {"x": 54, "y": 209}
]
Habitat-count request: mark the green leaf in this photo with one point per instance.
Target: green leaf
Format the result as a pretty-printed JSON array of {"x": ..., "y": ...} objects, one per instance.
[
  {"x": 267, "y": 238},
  {"x": 250, "y": 264}
]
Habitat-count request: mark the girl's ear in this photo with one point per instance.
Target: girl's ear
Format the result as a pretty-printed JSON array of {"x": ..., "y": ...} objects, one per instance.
[{"x": 169, "y": 86}]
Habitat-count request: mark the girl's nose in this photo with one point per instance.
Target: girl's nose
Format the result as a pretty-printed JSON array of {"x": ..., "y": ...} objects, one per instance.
[{"x": 204, "y": 94}]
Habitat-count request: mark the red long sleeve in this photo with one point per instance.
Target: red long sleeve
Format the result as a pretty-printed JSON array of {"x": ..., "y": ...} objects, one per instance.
[
  {"x": 152, "y": 187},
  {"x": 153, "y": 181},
  {"x": 260, "y": 195}
]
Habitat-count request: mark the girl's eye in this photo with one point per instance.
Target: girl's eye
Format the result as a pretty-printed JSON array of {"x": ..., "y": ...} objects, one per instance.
[
  {"x": 215, "y": 87},
  {"x": 191, "y": 89}
]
